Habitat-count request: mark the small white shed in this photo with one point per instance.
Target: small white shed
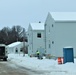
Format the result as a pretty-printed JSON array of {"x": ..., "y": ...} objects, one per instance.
[
  {"x": 15, "y": 47},
  {"x": 35, "y": 38},
  {"x": 60, "y": 31}
]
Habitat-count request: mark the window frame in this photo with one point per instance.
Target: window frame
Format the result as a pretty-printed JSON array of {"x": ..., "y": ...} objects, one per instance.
[{"x": 38, "y": 35}]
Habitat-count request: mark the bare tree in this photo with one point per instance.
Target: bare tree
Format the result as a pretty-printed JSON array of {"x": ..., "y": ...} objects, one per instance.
[
  {"x": 4, "y": 34},
  {"x": 10, "y": 35}
]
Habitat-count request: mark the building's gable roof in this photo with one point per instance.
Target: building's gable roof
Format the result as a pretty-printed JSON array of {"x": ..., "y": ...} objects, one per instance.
[
  {"x": 64, "y": 16},
  {"x": 14, "y": 44},
  {"x": 37, "y": 26}
]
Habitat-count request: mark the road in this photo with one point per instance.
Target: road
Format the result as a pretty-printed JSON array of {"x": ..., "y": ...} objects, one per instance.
[
  {"x": 10, "y": 68},
  {"x": 7, "y": 68}
]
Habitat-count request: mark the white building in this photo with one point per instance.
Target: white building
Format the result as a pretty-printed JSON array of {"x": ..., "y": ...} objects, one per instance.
[
  {"x": 60, "y": 31},
  {"x": 35, "y": 38},
  {"x": 15, "y": 47}
]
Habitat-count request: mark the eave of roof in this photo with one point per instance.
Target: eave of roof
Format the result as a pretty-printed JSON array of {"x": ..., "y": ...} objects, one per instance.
[
  {"x": 63, "y": 16},
  {"x": 37, "y": 26}
]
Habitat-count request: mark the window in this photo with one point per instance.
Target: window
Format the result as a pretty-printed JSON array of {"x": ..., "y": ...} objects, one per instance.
[
  {"x": 39, "y": 35},
  {"x": 52, "y": 25},
  {"x": 52, "y": 42},
  {"x": 49, "y": 45},
  {"x": 16, "y": 50},
  {"x": 21, "y": 50},
  {"x": 45, "y": 24}
]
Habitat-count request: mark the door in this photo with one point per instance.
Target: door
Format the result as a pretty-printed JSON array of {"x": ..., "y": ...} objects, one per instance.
[
  {"x": 69, "y": 54},
  {"x": 2, "y": 51}
]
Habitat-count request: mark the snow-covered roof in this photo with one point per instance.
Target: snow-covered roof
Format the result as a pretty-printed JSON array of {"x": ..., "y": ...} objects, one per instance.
[
  {"x": 14, "y": 44},
  {"x": 2, "y": 45},
  {"x": 37, "y": 26},
  {"x": 68, "y": 47},
  {"x": 64, "y": 16}
]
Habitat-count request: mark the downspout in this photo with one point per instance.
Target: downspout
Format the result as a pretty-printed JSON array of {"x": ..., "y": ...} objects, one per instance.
[
  {"x": 32, "y": 41},
  {"x": 45, "y": 38}
]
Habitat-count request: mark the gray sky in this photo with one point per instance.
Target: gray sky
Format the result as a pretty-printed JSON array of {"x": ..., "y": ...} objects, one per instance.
[{"x": 23, "y": 12}]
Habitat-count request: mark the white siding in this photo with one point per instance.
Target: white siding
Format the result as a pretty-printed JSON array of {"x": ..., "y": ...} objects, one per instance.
[
  {"x": 65, "y": 35},
  {"x": 38, "y": 42},
  {"x": 34, "y": 43},
  {"x": 49, "y": 34},
  {"x": 30, "y": 41},
  {"x": 12, "y": 47}
]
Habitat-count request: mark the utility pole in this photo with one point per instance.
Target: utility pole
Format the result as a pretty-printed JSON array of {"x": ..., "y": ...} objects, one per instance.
[{"x": 24, "y": 42}]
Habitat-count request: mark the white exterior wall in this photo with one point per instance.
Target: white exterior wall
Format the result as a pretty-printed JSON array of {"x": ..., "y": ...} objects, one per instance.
[
  {"x": 35, "y": 43},
  {"x": 38, "y": 42},
  {"x": 12, "y": 49},
  {"x": 30, "y": 41},
  {"x": 49, "y": 34},
  {"x": 65, "y": 35},
  {"x": 62, "y": 33}
]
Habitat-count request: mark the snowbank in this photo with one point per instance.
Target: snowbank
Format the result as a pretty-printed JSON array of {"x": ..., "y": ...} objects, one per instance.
[{"x": 49, "y": 66}]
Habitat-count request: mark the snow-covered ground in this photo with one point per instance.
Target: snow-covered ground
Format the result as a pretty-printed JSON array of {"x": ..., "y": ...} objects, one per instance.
[{"x": 48, "y": 66}]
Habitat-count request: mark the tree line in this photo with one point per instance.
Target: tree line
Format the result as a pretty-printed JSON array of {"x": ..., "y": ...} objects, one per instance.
[{"x": 10, "y": 35}]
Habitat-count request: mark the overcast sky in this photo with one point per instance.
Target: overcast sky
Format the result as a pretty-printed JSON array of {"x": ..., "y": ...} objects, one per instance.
[{"x": 23, "y": 12}]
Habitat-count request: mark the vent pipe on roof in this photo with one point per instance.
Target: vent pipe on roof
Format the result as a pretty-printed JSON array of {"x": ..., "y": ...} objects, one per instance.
[{"x": 39, "y": 21}]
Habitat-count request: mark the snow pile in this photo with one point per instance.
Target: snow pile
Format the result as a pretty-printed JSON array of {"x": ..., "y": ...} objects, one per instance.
[
  {"x": 14, "y": 44},
  {"x": 49, "y": 66}
]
